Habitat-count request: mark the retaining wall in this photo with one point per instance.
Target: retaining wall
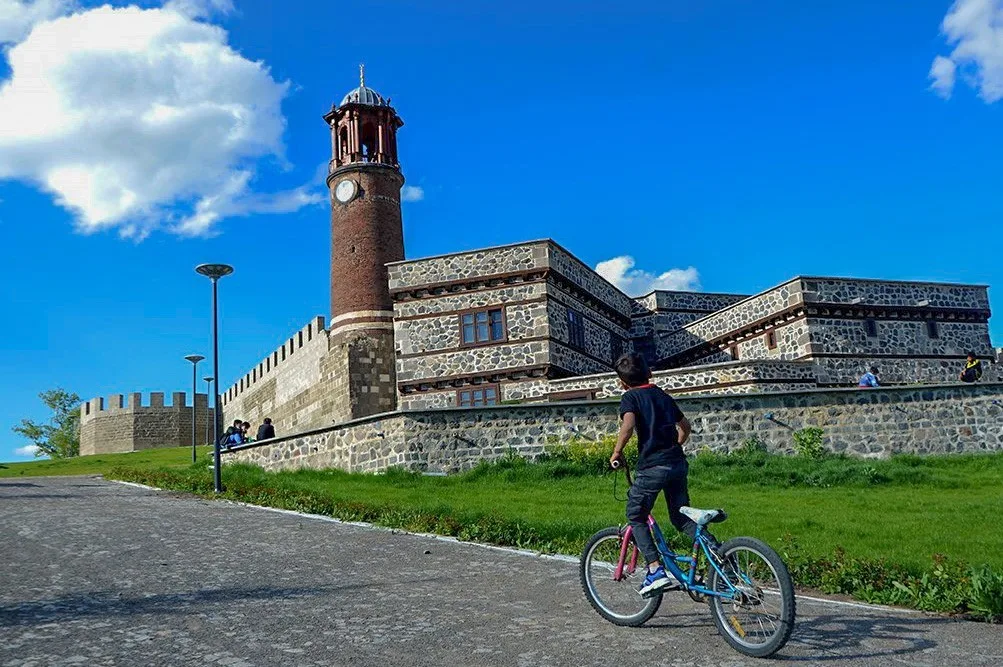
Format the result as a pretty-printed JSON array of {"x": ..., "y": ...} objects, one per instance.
[{"x": 932, "y": 419}]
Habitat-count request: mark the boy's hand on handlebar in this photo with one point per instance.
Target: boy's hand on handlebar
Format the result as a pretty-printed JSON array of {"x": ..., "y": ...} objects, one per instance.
[{"x": 615, "y": 461}]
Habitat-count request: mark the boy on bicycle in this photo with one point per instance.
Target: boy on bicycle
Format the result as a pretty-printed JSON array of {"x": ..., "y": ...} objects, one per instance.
[{"x": 662, "y": 429}]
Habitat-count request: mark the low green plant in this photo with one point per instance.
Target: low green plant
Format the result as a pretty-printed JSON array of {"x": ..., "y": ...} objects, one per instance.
[
  {"x": 987, "y": 593},
  {"x": 809, "y": 442},
  {"x": 753, "y": 446}
]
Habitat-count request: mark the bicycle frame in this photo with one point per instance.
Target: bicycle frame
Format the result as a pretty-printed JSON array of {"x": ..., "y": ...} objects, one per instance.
[{"x": 671, "y": 560}]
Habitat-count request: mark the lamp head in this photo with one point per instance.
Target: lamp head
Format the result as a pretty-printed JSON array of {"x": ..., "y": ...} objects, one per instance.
[
  {"x": 208, "y": 378},
  {"x": 194, "y": 358},
  {"x": 214, "y": 271}
]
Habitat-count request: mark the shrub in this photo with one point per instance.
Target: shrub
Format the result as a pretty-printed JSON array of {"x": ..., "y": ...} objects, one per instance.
[{"x": 808, "y": 442}]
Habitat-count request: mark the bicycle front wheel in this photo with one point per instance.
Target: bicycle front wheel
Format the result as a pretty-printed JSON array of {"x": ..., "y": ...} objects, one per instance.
[
  {"x": 616, "y": 600},
  {"x": 754, "y": 608}
]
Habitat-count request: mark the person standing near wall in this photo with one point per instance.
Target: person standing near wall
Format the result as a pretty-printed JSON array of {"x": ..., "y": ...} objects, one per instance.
[
  {"x": 973, "y": 369},
  {"x": 870, "y": 378}
]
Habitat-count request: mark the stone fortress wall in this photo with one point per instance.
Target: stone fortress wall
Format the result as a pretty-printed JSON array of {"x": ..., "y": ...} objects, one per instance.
[
  {"x": 933, "y": 419},
  {"x": 292, "y": 385},
  {"x": 118, "y": 423}
]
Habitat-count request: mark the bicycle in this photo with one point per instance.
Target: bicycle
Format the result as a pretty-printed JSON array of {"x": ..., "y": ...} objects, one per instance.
[{"x": 732, "y": 579}]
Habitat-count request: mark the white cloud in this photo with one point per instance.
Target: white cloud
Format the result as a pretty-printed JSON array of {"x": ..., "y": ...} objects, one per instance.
[
  {"x": 412, "y": 193},
  {"x": 975, "y": 29},
  {"x": 942, "y": 74},
  {"x": 27, "y": 450},
  {"x": 140, "y": 118},
  {"x": 621, "y": 272},
  {"x": 199, "y": 8},
  {"x": 17, "y": 17}
]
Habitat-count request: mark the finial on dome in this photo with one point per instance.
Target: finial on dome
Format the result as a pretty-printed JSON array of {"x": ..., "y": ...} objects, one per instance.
[{"x": 362, "y": 75}]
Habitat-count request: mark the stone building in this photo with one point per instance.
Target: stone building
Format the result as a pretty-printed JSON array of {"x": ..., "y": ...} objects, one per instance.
[
  {"x": 529, "y": 322},
  {"x": 123, "y": 424}
]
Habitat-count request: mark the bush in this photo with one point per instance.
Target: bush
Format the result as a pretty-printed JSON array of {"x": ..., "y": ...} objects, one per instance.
[
  {"x": 987, "y": 593},
  {"x": 808, "y": 442},
  {"x": 593, "y": 457}
]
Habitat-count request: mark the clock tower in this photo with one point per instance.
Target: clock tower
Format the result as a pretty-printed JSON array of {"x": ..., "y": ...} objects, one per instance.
[{"x": 365, "y": 181}]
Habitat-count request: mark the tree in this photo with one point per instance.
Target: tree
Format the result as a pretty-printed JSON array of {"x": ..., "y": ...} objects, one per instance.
[{"x": 60, "y": 438}]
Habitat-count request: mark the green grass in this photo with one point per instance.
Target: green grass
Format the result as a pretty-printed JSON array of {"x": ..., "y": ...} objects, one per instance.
[
  {"x": 904, "y": 510},
  {"x": 101, "y": 463}
]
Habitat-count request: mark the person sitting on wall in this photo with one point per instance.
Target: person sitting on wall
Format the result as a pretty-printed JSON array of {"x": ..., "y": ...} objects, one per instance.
[
  {"x": 234, "y": 434},
  {"x": 266, "y": 430},
  {"x": 973, "y": 369},
  {"x": 870, "y": 378},
  {"x": 245, "y": 428}
]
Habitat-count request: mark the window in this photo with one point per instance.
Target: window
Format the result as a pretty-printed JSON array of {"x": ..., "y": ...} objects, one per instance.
[
  {"x": 771, "y": 340},
  {"x": 871, "y": 328},
  {"x": 733, "y": 351},
  {"x": 576, "y": 329},
  {"x": 932, "y": 329},
  {"x": 483, "y": 326},
  {"x": 478, "y": 398},
  {"x": 615, "y": 346}
]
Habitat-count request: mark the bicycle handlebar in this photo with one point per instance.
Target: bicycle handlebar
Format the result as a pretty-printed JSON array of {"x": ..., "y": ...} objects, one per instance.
[{"x": 621, "y": 463}]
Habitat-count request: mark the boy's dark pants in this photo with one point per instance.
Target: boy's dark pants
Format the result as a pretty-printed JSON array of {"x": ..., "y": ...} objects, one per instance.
[{"x": 648, "y": 482}]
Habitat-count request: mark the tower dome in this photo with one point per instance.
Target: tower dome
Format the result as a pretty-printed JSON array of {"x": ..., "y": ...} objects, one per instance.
[{"x": 363, "y": 94}]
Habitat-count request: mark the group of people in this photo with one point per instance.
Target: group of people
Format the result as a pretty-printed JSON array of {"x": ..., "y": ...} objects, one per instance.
[
  {"x": 972, "y": 372},
  {"x": 239, "y": 433}
]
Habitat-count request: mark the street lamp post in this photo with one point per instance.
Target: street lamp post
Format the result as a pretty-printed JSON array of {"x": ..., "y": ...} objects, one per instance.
[
  {"x": 208, "y": 390},
  {"x": 195, "y": 359},
  {"x": 214, "y": 272}
]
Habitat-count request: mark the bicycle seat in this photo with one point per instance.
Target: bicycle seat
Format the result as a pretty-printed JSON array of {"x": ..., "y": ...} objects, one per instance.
[{"x": 703, "y": 517}]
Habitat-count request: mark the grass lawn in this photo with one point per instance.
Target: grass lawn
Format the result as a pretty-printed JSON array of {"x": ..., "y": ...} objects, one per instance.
[
  {"x": 903, "y": 510},
  {"x": 99, "y": 464}
]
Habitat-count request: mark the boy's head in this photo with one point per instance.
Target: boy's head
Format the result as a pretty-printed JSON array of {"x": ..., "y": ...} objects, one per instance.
[
  {"x": 632, "y": 370},
  {"x": 268, "y": 420},
  {"x": 971, "y": 356},
  {"x": 238, "y": 423},
  {"x": 246, "y": 425},
  {"x": 874, "y": 370}
]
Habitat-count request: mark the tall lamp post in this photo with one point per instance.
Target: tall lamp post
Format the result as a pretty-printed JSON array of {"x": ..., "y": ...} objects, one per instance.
[
  {"x": 195, "y": 359},
  {"x": 208, "y": 390},
  {"x": 214, "y": 272}
]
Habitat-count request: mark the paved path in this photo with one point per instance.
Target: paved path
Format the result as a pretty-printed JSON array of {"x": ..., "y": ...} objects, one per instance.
[{"x": 98, "y": 573}]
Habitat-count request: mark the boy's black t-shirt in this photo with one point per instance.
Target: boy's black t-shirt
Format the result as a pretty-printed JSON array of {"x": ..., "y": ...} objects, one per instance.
[{"x": 656, "y": 416}]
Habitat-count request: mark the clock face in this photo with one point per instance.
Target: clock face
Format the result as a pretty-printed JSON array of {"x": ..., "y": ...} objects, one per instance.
[{"x": 345, "y": 190}]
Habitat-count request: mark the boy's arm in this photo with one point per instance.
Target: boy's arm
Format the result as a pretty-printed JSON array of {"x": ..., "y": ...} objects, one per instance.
[
  {"x": 683, "y": 429},
  {"x": 626, "y": 430}
]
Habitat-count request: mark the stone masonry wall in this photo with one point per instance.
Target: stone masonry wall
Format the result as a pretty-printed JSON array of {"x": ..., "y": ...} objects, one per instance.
[
  {"x": 894, "y": 293},
  {"x": 870, "y": 423},
  {"x": 123, "y": 424},
  {"x": 292, "y": 385}
]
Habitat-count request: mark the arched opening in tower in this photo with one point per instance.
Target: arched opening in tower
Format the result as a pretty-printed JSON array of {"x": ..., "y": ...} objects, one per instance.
[
  {"x": 343, "y": 144},
  {"x": 368, "y": 142}
]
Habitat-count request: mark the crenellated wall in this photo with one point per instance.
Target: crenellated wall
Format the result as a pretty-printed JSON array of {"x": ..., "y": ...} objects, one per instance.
[
  {"x": 292, "y": 385},
  {"x": 122, "y": 423},
  {"x": 936, "y": 419}
]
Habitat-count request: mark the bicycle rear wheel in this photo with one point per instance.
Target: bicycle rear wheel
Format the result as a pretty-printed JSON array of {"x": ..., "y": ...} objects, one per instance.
[
  {"x": 757, "y": 617},
  {"x": 616, "y": 601}
]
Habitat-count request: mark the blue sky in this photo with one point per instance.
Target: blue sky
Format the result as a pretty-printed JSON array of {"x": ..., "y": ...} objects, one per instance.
[{"x": 751, "y": 142}]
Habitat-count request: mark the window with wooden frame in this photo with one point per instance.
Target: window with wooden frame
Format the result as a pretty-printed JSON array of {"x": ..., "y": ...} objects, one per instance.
[
  {"x": 871, "y": 328},
  {"x": 933, "y": 328},
  {"x": 482, "y": 326},
  {"x": 733, "y": 351},
  {"x": 771, "y": 340},
  {"x": 576, "y": 329},
  {"x": 477, "y": 397}
]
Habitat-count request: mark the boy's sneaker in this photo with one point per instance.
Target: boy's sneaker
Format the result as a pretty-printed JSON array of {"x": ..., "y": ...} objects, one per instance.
[{"x": 654, "y": 582}]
